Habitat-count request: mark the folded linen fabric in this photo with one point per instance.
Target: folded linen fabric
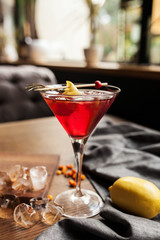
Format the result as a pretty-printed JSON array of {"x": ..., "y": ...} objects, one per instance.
[
  {"x": 115, "y": 151},
  {"x": 122, "y": 150}
]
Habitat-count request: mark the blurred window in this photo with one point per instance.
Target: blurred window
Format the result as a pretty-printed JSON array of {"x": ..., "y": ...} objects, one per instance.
[
  {"x": 155, "y": 33},
  {"x": 126, "y": 30},
  {"x": 129, "y": 30},
  {"x": 65, "y": 25}
]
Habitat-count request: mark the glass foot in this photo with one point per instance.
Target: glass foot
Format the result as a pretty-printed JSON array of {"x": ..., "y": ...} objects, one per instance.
[{"x": 87, "y": 205}]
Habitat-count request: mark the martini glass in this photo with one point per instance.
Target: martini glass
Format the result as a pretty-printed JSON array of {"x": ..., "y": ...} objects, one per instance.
[{"x": 79, "y": 115}]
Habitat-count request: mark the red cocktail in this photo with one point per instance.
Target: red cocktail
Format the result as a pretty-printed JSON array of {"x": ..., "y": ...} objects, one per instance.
[{"x": 79, "y": 115}]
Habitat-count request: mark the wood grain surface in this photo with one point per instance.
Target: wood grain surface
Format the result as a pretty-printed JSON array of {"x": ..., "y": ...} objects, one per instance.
[
  {"x": 42, "y": 138},
  {"x": 39, "y": 137},
  {"x": 9, "y": 160}
]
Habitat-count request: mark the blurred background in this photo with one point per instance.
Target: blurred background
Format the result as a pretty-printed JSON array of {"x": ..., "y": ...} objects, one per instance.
[
  {"x": 128, "y": 30},
  {"x": 115, "y": 41}
]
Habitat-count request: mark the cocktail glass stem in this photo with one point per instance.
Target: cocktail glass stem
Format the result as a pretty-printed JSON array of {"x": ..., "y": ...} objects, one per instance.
[{"x": 78, "y": 148}]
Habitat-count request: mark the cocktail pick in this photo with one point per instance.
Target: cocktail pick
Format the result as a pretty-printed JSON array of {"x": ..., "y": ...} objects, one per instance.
[{"x": 41, "y": 87}]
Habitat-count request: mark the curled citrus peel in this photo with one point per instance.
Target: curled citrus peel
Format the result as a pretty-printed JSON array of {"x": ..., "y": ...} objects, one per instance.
[{"x": 71, "y": 89}]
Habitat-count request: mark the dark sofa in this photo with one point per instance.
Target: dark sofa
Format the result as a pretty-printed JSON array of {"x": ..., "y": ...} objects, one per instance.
[{"x": 15, "y": 102}]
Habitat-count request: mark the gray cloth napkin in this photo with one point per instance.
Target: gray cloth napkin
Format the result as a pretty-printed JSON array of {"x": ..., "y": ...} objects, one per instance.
[
  {"x": 122, "y": 150},
  {"x": 115, "y": 151}
]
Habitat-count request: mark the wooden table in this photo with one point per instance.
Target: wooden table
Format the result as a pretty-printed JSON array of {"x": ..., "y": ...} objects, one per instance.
[{"x": 38, "y": 136}]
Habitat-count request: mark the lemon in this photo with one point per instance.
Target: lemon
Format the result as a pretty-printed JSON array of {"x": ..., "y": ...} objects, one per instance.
[
  {"x": 136, "y": 196},
  {"x": 71, "y": 89}
]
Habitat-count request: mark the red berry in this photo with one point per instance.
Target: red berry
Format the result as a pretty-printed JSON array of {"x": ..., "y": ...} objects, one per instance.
[{"x": 98, "y": 84}]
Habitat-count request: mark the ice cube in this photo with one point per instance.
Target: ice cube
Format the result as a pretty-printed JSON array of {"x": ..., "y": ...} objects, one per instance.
[
  {"x": 22, "y": 184},
  {"x": 15, "y": 172},
  {"x": 8, "y": 203},
  {"x": 26, "y": 216},
  {"x": 38, "y": 176},
  {"x": 26, "y": 174},
  {"x": 39, "y": 203},
  {"x": 52, "y": 213},
  {"x": 5, "y": 181}
]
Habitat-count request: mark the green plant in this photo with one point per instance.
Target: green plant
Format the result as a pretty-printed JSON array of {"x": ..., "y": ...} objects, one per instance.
[{"x": 94, "y": 8}]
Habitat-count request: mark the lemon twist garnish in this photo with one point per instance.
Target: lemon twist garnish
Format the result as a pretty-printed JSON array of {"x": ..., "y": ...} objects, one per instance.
[{"x": 71, "y": 89}]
